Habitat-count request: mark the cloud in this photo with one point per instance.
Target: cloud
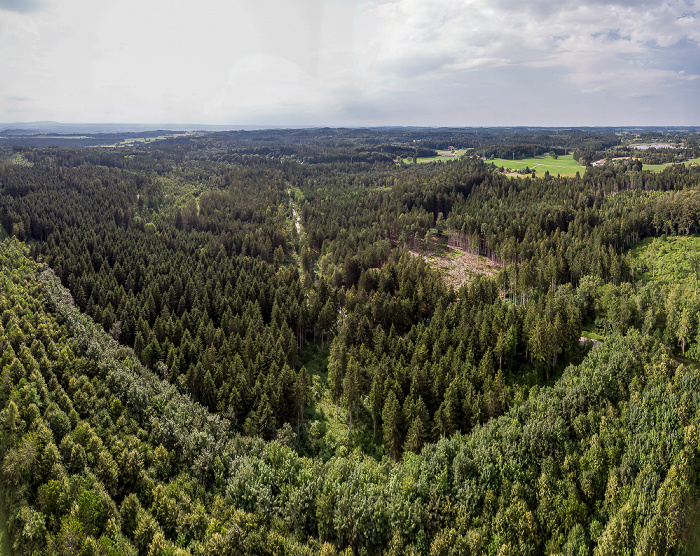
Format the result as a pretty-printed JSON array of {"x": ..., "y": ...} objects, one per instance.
[
  {"x": 21, "y": 6},
  {"x": 406, "y": 62},
  {"x": 412, "y": 38}
]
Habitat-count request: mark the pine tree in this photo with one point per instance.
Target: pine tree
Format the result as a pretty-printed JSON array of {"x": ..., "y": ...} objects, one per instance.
[
  {"x": 391, "y": 419},
  {"x": 300, "y": 391},
  {"x": 415, "y": 436},
  {"x": 376, "y": 396},
  {"x": 209, "y": 392},
  {"x": 351, "y": 387},
  {"x": 684, "y": 328},
  {"x": 337, "y": 361},
  {"x": 264, "y": 419}
]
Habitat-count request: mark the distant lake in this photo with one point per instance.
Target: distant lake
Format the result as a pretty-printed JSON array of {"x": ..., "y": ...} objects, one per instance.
[{"x": 654, "y": 146}]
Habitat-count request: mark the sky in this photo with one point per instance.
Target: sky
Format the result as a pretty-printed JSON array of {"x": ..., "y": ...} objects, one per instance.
[{"x": 351, "y": 62}]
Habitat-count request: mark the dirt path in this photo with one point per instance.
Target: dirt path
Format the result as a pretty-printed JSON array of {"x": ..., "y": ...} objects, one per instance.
[
  {"x": 297, "y": 220},
  {"x": 295, "y": 215}
]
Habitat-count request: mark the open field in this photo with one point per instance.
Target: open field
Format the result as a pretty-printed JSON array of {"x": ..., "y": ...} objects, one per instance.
[
  {"x": 656, "y": 168},
  {"x": 442, "y": 157},
  {"x": 139, "y": 140},
  {"x": 668, "y": 261},
  {"x": 662, "y": 167},
  {"x": 565, "y": 165},
  {"x": 592, "y": 334},
  {"x": 52, "y": 137}
]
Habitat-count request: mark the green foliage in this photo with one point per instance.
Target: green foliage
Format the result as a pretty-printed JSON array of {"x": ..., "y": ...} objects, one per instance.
[
  {"x": 4, "y": 536},
  {"x": 353, "y": 403},
  {"x": 669, "y": 261}
]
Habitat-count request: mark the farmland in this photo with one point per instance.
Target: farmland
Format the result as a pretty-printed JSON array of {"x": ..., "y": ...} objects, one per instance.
[
  {"x": 441, "y": 157},
  {"x": 662, "y": 167},
  {"x": 565, "y": 165}
]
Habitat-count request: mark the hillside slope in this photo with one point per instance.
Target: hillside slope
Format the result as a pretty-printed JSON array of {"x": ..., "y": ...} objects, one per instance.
[{"x": 100, "y": 456}]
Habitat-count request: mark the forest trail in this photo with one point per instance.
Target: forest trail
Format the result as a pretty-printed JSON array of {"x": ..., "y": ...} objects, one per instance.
[
  {"x": 297, "y": 220},
  {"x": 295, "y": 215},
  {"x": 297, "y": 224}
]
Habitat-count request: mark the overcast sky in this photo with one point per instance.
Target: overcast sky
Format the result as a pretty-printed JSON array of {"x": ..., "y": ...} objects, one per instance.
[{"x": 346, "y": 62}]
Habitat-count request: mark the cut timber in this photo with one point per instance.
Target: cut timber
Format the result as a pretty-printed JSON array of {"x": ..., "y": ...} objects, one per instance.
[{"x": 457, "y": 266}]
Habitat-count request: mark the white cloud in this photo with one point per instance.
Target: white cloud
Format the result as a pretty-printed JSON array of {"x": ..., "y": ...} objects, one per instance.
[{"x": 333, "y": 61}]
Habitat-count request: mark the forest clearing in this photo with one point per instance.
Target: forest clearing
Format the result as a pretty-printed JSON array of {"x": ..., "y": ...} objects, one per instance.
[{"x": 456, "y": 266}]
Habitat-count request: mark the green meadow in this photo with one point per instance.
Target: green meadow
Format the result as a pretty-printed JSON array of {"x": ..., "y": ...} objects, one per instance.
[
  {"x": 661, "y": 167},
  {"x": 439, "y": 158},
  {"x": 541, "y": 164},
  {"x": 565, "y": 165}
]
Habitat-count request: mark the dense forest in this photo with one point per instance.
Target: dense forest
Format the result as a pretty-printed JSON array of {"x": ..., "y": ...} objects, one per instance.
[{"x": 236, "y": 343}]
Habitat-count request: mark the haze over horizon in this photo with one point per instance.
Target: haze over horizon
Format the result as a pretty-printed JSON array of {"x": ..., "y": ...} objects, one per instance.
[{"x": 351, "y": 63}]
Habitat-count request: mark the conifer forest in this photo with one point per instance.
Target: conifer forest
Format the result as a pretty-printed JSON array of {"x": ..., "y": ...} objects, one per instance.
[{"x": 350, "y": 342}]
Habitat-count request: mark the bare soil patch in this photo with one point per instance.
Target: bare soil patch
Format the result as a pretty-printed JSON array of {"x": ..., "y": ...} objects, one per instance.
[{"x": 456, "y": 266}]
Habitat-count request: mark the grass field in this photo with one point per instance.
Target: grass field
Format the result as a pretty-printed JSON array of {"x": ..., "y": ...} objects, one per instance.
[
  {"x": 138, "y": 140},
  {"x": 565, "y": 165},
  {"x": 661, "y": 167},
  {"x": 592, "y": 334},
  {"x": 442, "y": 157},
  {"x": 668, "y": 261},
  {"x": 59, "y": 137}
]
